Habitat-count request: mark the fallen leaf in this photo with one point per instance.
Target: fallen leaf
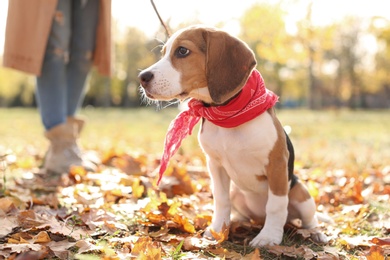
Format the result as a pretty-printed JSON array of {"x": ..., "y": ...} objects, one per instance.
[
  {"x": 7, "y": 204},
  {"x": 221, "y": 236},
  {"x": 255, "y": 255},
  {"x": 19, "y": 248},
  {"x": 146, "y": 249},
  {"x": 41, "y": 237},
  {"x": 7, "y": 224},
  {"x": 85, "y": 246},
  {"x": 197, "y": 243},
  {"x": 60, "y": 248},
  {"x": 292, "y": 251},
  {"x": 138, "y": 189},
  {"x": 223, "y": 253},
  {"x": 202, "y": 221},
  {"x": 28, "y": 219},
  {"x": 376, "y": 253},
  {"x": 380, "y": 241},
  {"x": 128, "y": 164},
  {"x": 184, "y": 224},
  {"x": 32, "y": 255}
]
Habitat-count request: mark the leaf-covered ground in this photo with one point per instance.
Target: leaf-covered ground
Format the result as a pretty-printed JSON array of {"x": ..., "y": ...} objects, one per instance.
[{"x": 118, "y": 212}]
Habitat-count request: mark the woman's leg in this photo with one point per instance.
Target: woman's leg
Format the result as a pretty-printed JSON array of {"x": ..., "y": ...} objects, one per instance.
[
  {"x": 82, "y": 45},
  {"x": 51, "y": 92},
  {"x": 60, "y": 87}
]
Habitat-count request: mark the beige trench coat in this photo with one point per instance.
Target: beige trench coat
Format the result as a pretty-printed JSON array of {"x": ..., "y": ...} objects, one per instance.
[{"x": 27, "y": 31}]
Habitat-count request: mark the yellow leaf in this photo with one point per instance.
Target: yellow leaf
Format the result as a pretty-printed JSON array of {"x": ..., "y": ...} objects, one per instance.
[
  {"x": 42, "y": 237},
  {"x": 256, "y": 255},
  {"x": 376, "y": 253},
  {"x": 13, "y": 241},
  {"x": 146, "y": 249},
  {"x": 221, "y": 236},
  {"x": 138, "y": 189},
  {"x": 184, "y": 223}
]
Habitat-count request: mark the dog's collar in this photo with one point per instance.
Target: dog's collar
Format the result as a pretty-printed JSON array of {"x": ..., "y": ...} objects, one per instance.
[{"x": 253, "y": 100}]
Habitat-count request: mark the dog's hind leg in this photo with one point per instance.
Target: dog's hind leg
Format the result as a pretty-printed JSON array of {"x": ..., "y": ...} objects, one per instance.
[{"x": 303, "y": 207}]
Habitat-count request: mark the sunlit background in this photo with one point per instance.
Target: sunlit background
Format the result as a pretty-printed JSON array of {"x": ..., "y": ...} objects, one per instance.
[
  {"x": 140, "y": 14},
  {"x": 300, "y": 33}
]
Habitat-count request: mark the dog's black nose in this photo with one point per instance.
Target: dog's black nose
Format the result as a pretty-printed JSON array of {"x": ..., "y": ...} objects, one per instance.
[{"x": 146, "y": 77}]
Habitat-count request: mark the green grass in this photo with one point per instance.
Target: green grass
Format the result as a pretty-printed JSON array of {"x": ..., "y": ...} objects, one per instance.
[
  {"x": 320, "y": 138},
  {"x": 354, "y": 141}
]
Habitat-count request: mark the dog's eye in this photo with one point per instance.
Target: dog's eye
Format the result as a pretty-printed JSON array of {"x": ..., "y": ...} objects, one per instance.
[{"x": 182, "y": 52}]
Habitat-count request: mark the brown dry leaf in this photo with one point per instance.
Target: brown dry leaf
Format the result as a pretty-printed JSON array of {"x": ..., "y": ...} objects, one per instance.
[
  {"x": 380, "y": 241},
  {"x": 7, "y": 204},
  {"x": 60, "y": 248},
  {"x": 145, "y": 248},
  {"x": 255, "y": 255},
  {"x": 196, "y": 243},
  {"x": 291, "y": 251},
  {"x": 162, "y": 232},
  {"x": 201, "y": 222},
  {"x": 137, "y": 188},
  {"x": 185, "y": 186},
  {"x": 29, "y": 219},
  {"x": 19, "y": 248},
  {"x": 128, "y": 164},
  {"x": 41, "y": 237},
  {"x": 19, "y": 237},
  {"x": 77, "y": 173},
  {"x": 50, "y": 199},
  {"x": 32, "y": 255},
  {"x": 56, "y": 227},
  {"x": 154, "y": 218},
  {"x": 7, "y": 224},
  {"x": 184, "y": 223},
  {"x": 112, "y": 226},
  {"x": 95, "y": 217},
  {"x": 223, "y": 253},
  {"x": 177, "y": 181},
  {"x": 221, "y": 236},
  {"x": 376, "y": 253},
  {"x": 85, "y": 246}
]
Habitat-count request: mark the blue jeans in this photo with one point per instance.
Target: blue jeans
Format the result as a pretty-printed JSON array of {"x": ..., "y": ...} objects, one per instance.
[{"x": 68, "y": 59}]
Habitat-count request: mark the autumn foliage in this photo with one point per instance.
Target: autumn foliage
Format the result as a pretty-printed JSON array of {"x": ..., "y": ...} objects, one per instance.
[{"x": 118, "y": 212}]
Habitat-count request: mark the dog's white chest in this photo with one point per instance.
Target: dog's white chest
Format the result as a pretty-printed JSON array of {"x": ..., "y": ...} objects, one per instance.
[{"x": 241, "y": 151}]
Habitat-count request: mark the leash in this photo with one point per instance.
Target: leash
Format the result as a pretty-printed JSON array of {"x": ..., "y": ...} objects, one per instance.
[{"x": 167, "y": 30}]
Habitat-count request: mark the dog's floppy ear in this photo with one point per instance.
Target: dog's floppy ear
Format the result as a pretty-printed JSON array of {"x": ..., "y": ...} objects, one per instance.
[{"x": 229, "y": 62}]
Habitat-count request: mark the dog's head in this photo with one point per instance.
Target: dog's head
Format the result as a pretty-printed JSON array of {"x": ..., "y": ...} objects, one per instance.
[{"x": 199, "y": 62}]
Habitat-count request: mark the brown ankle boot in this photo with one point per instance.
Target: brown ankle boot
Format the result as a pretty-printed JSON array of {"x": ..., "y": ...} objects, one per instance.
[
  {"x": 63, "y": 150},
  {"x": 88, "y": 156}
]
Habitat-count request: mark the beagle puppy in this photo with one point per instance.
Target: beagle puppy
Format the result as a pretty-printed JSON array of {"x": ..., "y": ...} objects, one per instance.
[{"x": 249, "y": 156}]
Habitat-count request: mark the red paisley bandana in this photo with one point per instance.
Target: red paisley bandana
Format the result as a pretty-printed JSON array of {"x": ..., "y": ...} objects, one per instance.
[{"x": 253, "y": 100}]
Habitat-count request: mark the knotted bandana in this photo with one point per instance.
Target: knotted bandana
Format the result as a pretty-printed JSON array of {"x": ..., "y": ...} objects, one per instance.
[{"x": 253, "y": 100}]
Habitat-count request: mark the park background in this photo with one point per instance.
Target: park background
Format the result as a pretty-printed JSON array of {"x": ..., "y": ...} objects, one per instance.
[
  {"x": 313, "y": 54},
  {"x": 327, "y": 60}
]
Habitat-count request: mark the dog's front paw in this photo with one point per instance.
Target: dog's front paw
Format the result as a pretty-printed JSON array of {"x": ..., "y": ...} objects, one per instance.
[
  {"x": 267, "y": 238},
  {"x": 319, "y": 237},
  {"x": 217, "y": 233},
  {"x": 207, "y": 234}
]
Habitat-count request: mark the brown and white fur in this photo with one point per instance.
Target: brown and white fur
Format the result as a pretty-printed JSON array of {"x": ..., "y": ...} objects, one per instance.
[{"x": 250, "y": 165}]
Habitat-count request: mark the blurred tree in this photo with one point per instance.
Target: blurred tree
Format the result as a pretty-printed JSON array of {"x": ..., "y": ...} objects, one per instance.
[
  {"x": 349, "y": 54},
  {"x": 263, "y": 29},
  {"x": 318, "y": 66},
  {"x": 381, "y": 76},
  {"x": 133, "y": 51},
  {"x": 316, "y": 42},
  {"x": 16, "y": 88}
]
